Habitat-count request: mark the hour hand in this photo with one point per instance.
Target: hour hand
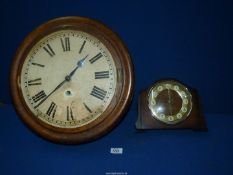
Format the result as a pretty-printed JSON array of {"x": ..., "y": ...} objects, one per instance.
[
  {"x": 82, "y": 61},
  {"x": 79, "y": 64}
]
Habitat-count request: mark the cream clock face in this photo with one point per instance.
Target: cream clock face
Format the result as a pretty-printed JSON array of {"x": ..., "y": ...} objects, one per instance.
[
  {"x": 170, "y": 101},
  {"x": 68, "y": 79}
]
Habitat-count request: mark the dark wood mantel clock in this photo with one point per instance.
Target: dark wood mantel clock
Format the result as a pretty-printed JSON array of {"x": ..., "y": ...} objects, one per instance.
[
  {"x": 72, "y": 80},
  {"x": 169, "y": 104}
]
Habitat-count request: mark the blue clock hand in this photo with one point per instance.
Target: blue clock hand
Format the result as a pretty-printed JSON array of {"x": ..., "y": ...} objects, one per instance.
[{"x": 79, "y": 64}]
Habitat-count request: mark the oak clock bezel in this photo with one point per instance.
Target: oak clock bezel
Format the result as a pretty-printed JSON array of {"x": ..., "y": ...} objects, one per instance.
[{"x": 124, "y": 84}]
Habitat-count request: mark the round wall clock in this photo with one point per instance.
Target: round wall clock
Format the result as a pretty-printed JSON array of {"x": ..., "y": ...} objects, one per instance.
[
  {"x": 72, "y": 80},
  {"x": 169, "y": 104}
]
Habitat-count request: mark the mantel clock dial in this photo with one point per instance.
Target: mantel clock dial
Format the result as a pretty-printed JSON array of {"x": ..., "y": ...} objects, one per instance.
[
  {"x": 169, "y": 104},
  {"x": 72, "y": 80}
]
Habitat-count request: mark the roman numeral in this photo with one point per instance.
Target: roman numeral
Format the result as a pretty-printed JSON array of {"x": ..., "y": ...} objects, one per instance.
[
  {"x": 95, "y": 58},
  {"x": 102, "y": 74},
  {"x": 87, "y": 108},
  {"x": 98, "y": 93},
  {"x": 36, "y": 64},
  {"x": 81, "y": 48},
  {"x": 49, "y": 50},
  {"x": 69, "y": 113},
  {"x": 39, "y": 96},
  {"x": 52, "y": 109},
  {"x": 35, "y": 82},
  {"x": 65, "y": 44}
]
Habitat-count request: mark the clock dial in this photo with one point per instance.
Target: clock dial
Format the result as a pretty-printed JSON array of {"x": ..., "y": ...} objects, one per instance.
[
  {"x": 72, "y": 80},
  {"x": 68, "y": 78},
  {"x": 170, "y": 101}
]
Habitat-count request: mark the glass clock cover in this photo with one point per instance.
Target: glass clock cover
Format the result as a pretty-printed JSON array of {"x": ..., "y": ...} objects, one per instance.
[{"x": 169, "y": 101}]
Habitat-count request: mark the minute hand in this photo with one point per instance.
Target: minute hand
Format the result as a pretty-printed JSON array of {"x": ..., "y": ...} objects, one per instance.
[
  {"x": 60, "y": 85},
  {"x": 67, "y": 78}
]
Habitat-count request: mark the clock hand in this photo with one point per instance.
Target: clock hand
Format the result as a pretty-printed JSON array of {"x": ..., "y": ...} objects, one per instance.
[
  {"x": 79, "y": 64},
  {"x": 67, "y": 78},
  {"x": 63, "y": 82}
]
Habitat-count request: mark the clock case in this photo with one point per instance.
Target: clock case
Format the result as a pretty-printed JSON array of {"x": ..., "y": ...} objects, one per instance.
[
  {"x": 124, "y": 86},
  {"x": 145, "y": 120}
]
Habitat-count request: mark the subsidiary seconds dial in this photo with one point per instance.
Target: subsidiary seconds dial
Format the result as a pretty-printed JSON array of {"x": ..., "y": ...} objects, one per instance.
[
  {"x": 68, "y": 78},
  {"x": 72, "y": 80}
]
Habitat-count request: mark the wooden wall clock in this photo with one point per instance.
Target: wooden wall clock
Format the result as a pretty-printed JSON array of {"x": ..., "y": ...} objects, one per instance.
[
  {"x": 72, "y": 80},
  {"x": 169, "y": 104}
]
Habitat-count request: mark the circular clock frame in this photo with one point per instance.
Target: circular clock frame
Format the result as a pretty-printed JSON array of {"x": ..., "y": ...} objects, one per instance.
[{"x": 119, "y": 103}]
